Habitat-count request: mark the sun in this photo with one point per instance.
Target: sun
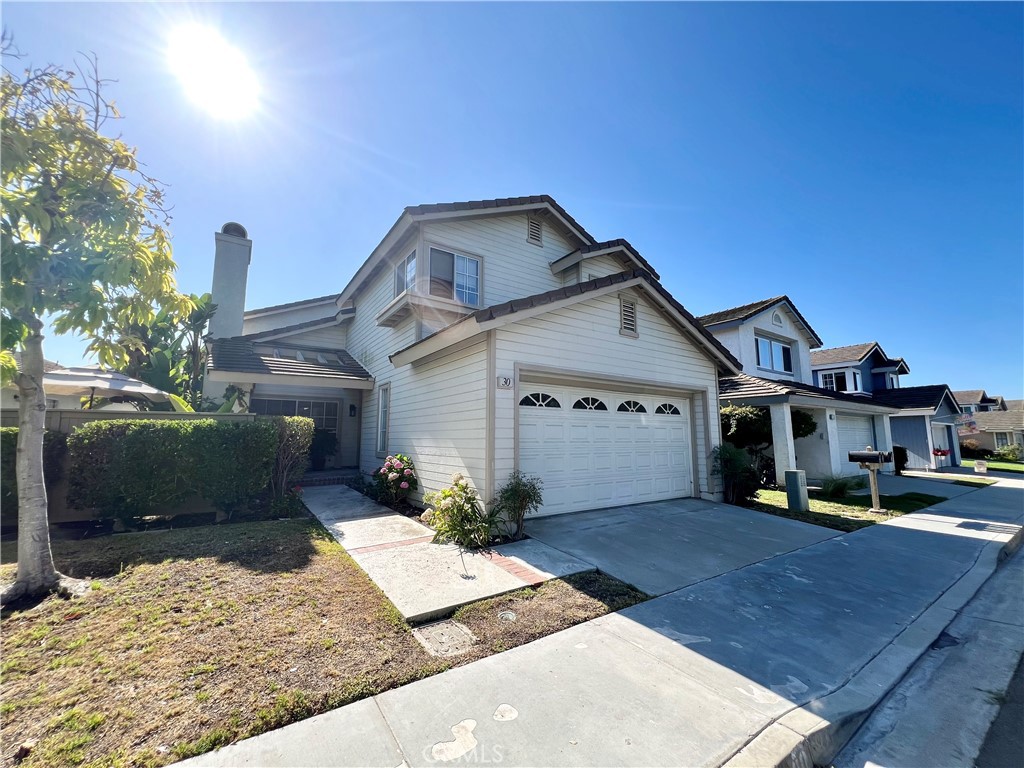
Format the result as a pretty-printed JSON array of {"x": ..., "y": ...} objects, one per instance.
[{"x": 214, "y": 74}]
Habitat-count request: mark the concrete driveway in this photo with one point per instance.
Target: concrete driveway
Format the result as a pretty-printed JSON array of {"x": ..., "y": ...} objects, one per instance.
[{"x": 667, "y": 545}]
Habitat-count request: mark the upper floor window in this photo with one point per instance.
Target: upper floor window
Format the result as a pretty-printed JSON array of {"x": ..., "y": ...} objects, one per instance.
[
  {"x": 840, "y": 381},
  {"x": 967, "y": 409},
  {"x": 894, "y": 381},
  {"x": 774, "y": 355},
  {"x": 405, "y": 274},
  {"x": 454, "y": 276}
]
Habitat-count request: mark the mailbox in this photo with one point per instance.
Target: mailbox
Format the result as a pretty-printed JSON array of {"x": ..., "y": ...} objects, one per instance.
[{"x": 870, "y": 457}]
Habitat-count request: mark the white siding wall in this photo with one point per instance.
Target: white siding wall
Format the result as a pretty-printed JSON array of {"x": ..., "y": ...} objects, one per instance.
[
  {"x": 600, "y": 266},
  {"x": 585, "y": 337},
  {"x": 788, "y": 331},
  {"x": 287, "y": 317},
  {"x": 333, "y": 337},
  {"x": 512, "y": 267}
]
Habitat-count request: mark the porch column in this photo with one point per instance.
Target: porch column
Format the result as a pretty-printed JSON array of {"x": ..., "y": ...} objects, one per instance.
[
  {"x": 782, "y": 441},
  {"x": 836, "y": 458},
  {"x": 883, "y": 436}
]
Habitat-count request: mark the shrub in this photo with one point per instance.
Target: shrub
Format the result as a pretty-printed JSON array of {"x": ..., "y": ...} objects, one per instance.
[
  {"x": 236, "y": 461},
  {"x": 457, "y": 516},
  {"x": 395, "y": 480},
  {"x": 519, "y": 496},
  {"x": 294, "y": 438},
  {"x": 55, "y": 450},
  {"x": 971, "y": 449},
  {"x": 837, "y": 487},
  {"x": 739, "y": 479},
  {"x": 1009, "y": 453},
  {"x": 900, "y": 458}
]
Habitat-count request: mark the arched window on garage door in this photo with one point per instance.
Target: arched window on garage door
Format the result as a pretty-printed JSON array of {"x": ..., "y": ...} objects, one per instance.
[
  {"x": 631, "y": 406},
  {"x": 589, "y": 404},
  {"x": 540, "y": 400},
  {"x": 667, "y": 409}
]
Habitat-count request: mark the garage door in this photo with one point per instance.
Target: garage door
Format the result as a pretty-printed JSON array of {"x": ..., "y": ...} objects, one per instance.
[
  {"x": 601, "y": 449},
  {"x": 855, "y": 434}
]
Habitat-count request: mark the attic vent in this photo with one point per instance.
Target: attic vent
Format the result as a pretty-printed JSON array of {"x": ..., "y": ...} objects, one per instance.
[
  {"x": 627, "y": 317},
  {"x": 534, "y": 231},
  {"x": 321, "y": 359},
  {"x": 299, "y": 357},
  {"x": 776, "y": 319}
]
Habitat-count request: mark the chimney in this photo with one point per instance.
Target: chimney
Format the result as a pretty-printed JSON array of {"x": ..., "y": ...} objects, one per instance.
[{"x": 230, "y": 273}]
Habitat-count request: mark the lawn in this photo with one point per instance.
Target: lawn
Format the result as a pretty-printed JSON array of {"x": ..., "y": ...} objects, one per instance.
[
  {"x": 196, "y": 637},
  {"x": 849, "y": 514},
  {"x": 979, "y": 481},
  {"x": 999, "y": 466}
]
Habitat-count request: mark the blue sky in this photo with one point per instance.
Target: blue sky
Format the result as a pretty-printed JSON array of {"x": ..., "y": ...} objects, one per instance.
[{"x": 865, "y": 159}]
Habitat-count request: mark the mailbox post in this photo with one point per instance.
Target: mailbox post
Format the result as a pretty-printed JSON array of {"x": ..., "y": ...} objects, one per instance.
[{"x": 872, "y": 461}]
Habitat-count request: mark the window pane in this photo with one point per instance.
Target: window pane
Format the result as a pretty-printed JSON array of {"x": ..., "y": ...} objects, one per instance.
[
  {"x": 442, "y": 273},
  {"x": 331, "y": 410},
  {"x": 318, "y": 410},
  {"x": 827, "y": 381},
  {"x": 787, "y": 359},
  {"x": 258, "y": 406},
  {"x": 841, "y": 382},
  {"x": 764, "y": 353},
  {"x": 383, "y": 404},
  {"x": 467, "y": 280},
  {"x": 304, "y": 409}
]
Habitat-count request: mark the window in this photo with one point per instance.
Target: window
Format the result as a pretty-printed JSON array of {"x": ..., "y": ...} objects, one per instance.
[
  {"x": 834, "y": 381},
  {"x": 631, "y": 406},
  {"x": 667, "y": 409},
  {"x": 589, "y": 404},
  {"x": 383, "y": 417},
  {"x": 405, "y": 274},
  {"x": 774, "y": 355},
  {"x": 776, "y": 319},
  {"x": 540, "y": 400},
  {"x": 323, "y": 413},
  {"x": 534, "y": 231},
  {"x": 894, "y": 381},
  {"x": 1002, "y": 439},
  {"x": 856, "y": 381},
  {"x": 627, "y": 317},
  {"x": 453, "y": 276}
]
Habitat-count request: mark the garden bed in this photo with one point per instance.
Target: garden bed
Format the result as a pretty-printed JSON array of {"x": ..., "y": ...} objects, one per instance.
[
  {"x": 197, "y": 637},
  {"x": 849, "y": 514}
]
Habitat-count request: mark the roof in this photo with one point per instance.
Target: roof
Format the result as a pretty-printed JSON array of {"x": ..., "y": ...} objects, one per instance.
[
  {"x": 289, "y": 305},
  {"x": 624, "y": 245},
  {"x": 48, "y": 365},
  {"x": 1011, "y": 405},
  {"x": 906, "y": 398},
  {"x": 239, "y": 355},
  {"x": 851, "y": 353},
  {"x": 558, "y": 294},
  {"x": 500, "y": 202},
  {"x": 999, "y": 421},
  {"x": 286, "y": 330},
  {"x": 744, "y": 385},
  {"x": 969, "y": 396},
  {"x": 747, "y": 311}
]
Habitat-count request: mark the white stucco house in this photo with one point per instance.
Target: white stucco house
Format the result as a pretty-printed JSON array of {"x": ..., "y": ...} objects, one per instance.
[
  {"x": 774, "y": 342},
  {"x": 483, "y": 337}
]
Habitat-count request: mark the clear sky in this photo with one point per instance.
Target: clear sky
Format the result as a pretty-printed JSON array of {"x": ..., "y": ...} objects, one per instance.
[{"x": 865, "y": 159}]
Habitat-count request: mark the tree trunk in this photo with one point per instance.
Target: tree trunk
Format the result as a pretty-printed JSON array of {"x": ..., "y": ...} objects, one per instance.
[{"x": 36, "y": 572}]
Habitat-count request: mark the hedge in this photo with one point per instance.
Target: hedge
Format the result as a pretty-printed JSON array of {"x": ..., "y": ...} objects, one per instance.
[
  {"x": 55, "y": 450},
  {"x": 133, "y": 467}
]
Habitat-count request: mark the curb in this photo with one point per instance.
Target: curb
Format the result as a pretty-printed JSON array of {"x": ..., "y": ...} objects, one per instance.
[{"x": 815, "y": 733}]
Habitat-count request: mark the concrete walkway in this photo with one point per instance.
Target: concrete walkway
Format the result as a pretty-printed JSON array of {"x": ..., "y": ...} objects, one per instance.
[
  {"x": 774, "y": 663},
  {"x": 425, "y": 580}
]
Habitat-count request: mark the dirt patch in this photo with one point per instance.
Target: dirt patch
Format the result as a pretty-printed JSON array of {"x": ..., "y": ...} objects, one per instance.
[{"x": 197, "y": 637}]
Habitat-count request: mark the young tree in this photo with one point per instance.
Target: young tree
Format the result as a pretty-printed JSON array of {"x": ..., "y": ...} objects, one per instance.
[{"x": 84, "y": 243}]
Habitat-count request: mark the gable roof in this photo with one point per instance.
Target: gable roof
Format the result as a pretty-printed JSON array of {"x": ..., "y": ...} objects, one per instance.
[
  {"x": 499, "y": 203},
  {"x": 239, "y": 355},
  {"x": 291, "y": 305},
  {"x": 458, "y": 330},
  {"x": 929, "y": 396},
  {"x": 744, "y": 385},
  {"x": 979, "y": 397},
  {"x": 999, "y": 421},
  {"x": 1011, "y": 405},
  {"x": 291, "y": 330},
  {"x": 851, "y": 353},
  {"x": 747, "y": 311}
]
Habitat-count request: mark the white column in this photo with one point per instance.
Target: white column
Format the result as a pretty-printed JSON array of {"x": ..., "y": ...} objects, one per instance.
[
  {"x": 782, "y": 441},
  {"x": 836, "y": 459}
]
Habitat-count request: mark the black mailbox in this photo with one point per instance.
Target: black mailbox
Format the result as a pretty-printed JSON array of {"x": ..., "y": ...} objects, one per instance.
[{"x": 870, "y": 457}]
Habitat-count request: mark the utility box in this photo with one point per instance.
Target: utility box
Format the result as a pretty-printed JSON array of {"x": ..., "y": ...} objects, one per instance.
[
  {"x": 980, "y": 467},
  {"x": 796, "y": 491}
]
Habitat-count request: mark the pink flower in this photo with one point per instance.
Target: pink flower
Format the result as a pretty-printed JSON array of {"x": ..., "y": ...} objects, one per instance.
[
  {"x": 404, "y": 486},
  {"x": 399, "y": 465},
  {"x": 390, "y": 458},
  {"x": 383, "y": 470},
  {"x": 387, "y": 465},
  {"x": 407, "y": 472}
]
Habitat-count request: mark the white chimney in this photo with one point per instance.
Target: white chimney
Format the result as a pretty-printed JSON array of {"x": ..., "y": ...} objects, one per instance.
[{"x": 230, "y": 273}]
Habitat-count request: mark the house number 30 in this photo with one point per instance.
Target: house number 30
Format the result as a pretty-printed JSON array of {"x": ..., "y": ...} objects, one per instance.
[{"x": 504, "y": 382}]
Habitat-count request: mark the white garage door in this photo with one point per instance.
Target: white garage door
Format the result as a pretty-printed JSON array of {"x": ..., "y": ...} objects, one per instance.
[
  {"x": 855, "y": 434},
  {"x": 601, "y": 449}
]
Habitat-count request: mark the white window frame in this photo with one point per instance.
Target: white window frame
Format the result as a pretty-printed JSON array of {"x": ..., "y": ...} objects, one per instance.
[
  {"x": 383, "y": 418},
  {"x": 402, "y": 270},
  {"x": 455, "y": 275},
  {"x": 771, "y": 354},
  {"x": 856, "y": 381},
  {"x": 1007, "y": 439},
  {"x": 894, "y": 381}
]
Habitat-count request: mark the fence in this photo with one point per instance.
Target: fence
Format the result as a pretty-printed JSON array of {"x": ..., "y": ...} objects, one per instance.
[{"x": 66, "y": 420}]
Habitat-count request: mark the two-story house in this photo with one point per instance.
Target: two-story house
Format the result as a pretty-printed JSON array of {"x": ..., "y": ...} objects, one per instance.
[
  {"x": 991, "y": 421},
  {"x": 926, "y": 424},
  {"x": 978, "y": 401},
  {"x": 775, "y": 345},
  {"x": 484, "y": 337}
]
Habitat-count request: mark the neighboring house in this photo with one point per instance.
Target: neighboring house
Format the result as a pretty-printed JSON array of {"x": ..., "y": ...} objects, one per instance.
[
  {"x": 927, "y": 415},
  {"x": 485, "y": 337},
  {"x": 997, "y": 429},
  {"x": 9, "y": 394},
  {"x": 1013, "y": 405},
  {"x": 774, "y": 344},
  {"x": 978, "y": 401}
]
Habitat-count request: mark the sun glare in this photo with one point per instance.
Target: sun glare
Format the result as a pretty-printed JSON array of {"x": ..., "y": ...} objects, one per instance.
[{"x": 214, "y": 74}]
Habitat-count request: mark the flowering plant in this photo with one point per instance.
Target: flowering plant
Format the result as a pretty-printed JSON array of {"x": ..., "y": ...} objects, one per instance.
[
  {"x": 457, "y": 517},
  {"x": 941, "y": 452},
  {"x": 396, "y": 479}
]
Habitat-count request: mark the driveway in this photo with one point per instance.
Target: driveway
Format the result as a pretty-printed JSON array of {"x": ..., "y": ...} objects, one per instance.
[{"x": 667, "y": 545}]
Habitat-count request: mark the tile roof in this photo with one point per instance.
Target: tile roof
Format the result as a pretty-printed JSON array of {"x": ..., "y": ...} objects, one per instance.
[
  {"x": 239, "y": 355},
  {"x": 928, "y": 396},
  {"x": 48, "y": 365},
  {"x": 501, "y": 202},
  {"x": 851, "y": 353},
  {"x": 624, "y": 245},
  {"x": 291, "y": 304},
  {"x": 999, "y": 421},
  {"x": 1011, "y": 405},
  {"x": 295, "y": 328},
  {"x": 540, "y": 299},
  {"x": 746, "y": 311},
  {"x": 968, "y": 396},
  {"x": 744, "y": 385}
]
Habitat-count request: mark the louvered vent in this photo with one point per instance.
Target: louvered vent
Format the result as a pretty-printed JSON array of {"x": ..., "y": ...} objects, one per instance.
[
  {"x": 627, "y": 311},
  {"x": 535, "y": 231}
]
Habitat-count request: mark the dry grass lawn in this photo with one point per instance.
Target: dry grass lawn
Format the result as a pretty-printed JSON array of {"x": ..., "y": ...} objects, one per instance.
[
  {"x": 197, "y": 637},
  {"x": 849, "y": 514}
]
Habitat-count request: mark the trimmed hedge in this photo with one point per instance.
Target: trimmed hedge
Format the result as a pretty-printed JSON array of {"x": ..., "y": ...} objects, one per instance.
[
  {"x": 133, "y": 467},
  {"x": 55, "y": 448}
]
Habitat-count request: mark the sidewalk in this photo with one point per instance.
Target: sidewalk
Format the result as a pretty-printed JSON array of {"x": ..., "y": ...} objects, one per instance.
[{"x": 774, "y": 663}]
